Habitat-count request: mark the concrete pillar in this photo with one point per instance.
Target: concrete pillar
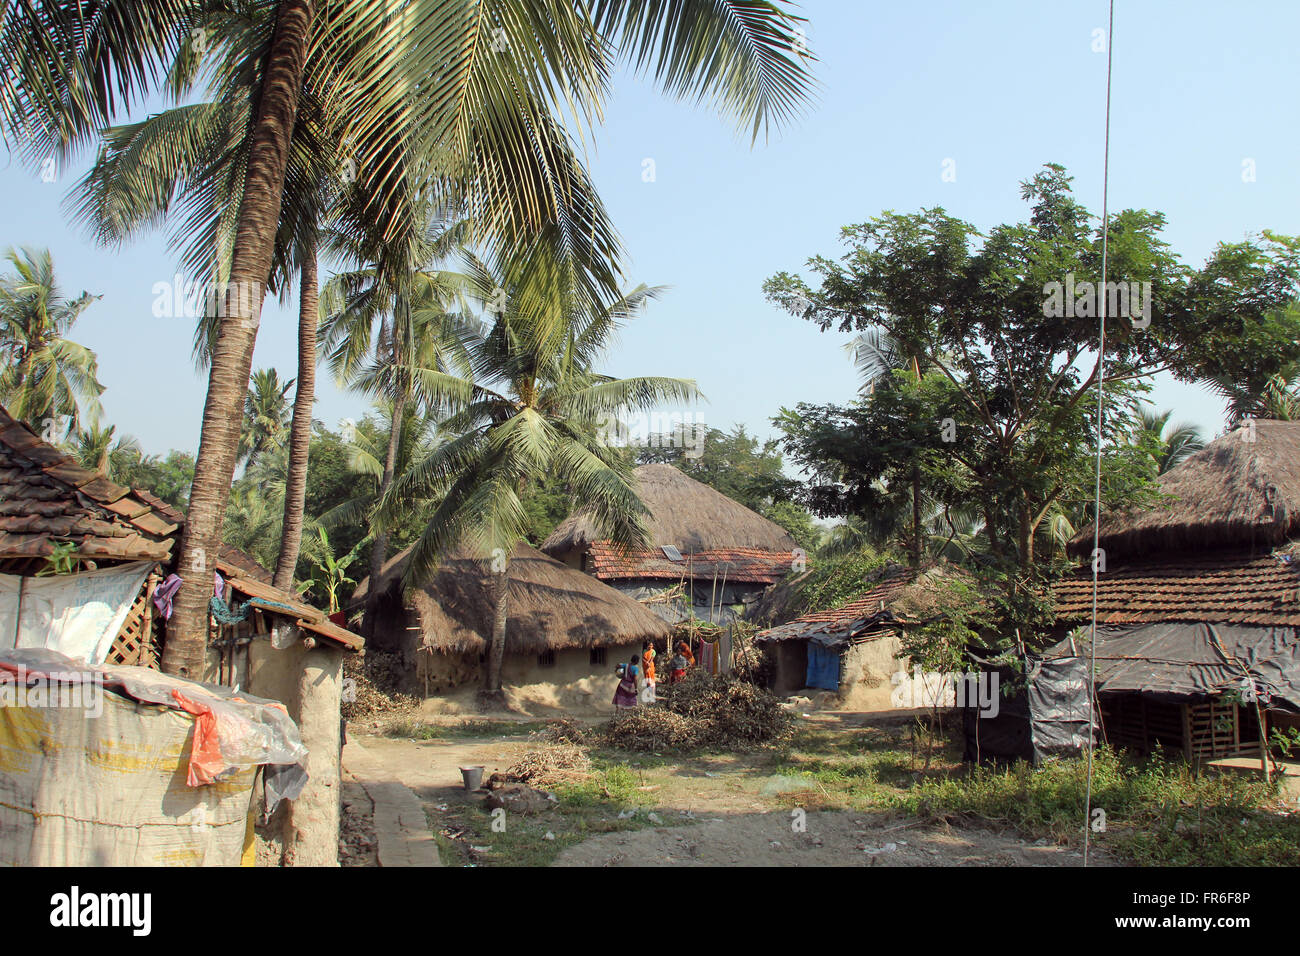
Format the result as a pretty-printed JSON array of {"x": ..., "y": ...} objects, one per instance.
[{"x": 312, "y": 824}]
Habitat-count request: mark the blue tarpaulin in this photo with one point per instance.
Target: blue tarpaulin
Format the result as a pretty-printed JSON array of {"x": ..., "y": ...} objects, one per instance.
[{"x": 823, "y": 667}]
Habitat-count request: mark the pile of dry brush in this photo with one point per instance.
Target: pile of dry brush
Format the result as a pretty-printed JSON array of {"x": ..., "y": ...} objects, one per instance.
[
  {"x": 547, "y": 766},
  {"x": 370, "y": 688},
  {"x": 703, "y": 711}
]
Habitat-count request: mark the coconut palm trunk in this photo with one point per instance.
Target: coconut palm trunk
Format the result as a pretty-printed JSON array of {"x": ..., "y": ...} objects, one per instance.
[
  {"x": 497, "y": 650},
  {"x": 232, "y": 358},
  {"x": 295, "y": 490},
  {"x": 379, "y": 550}
]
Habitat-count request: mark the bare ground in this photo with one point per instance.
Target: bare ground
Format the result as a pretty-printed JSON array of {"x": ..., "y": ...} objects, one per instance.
[
  {"x": 830, "y": 838},
  {"x": 725, "y": 810}
]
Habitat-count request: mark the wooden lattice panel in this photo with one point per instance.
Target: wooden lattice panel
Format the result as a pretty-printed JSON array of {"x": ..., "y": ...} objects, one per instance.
[
  {"x": 1222, "y": 729},
  {"x": 135, "y": 642}
]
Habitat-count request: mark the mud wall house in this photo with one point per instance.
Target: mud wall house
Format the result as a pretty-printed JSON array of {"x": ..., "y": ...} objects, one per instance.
[
  {"x": 565, "y": 630},
  {"x": 111, "y": 610},
  {"x": 854, "y": 650},
  {"x": 711, "y": 556},
  {"x": 1198, "y": 601}
]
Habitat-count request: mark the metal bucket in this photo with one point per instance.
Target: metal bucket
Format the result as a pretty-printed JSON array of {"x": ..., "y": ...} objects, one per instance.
[{"x": 473, "y": 777}]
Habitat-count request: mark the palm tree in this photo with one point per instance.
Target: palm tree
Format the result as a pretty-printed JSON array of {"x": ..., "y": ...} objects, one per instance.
[
  {"x": 477, "y": 85},
  {"x": 1277, "y": 397},
  {"x": 95, "y": 448},
  {"x": 47, "y": 377},
  {"x": 399, "y": 326},
  {"x": 190, "y": 160},
  {"x": 368, "y": 459},
  {"x": 266, "y": 416},
  {"x": 1169, "y": 443},
  {"x": 534, "y": 407}
]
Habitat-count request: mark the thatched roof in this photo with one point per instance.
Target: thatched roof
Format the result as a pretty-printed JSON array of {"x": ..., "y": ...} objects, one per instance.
[
  {"x": 550, "y": 606},
  {"x": 684, "y": 513},
  {"x": 1233, "y": 493}
]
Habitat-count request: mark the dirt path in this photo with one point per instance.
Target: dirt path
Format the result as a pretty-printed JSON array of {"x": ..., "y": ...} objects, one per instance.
[
  {"x": 829, "y": 839},
  {"x": 721, "y": 811}
]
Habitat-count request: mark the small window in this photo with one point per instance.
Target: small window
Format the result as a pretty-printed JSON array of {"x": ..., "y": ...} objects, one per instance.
[
  {"x": 598, "y": 657},
  {"x": 546, "y": 659}
]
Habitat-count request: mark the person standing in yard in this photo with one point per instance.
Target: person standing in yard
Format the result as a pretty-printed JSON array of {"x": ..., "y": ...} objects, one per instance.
[
  {"x": 648, "y": 672},
  {"x": 625, "y": 693},
  {"x": 682, "y": 660}
]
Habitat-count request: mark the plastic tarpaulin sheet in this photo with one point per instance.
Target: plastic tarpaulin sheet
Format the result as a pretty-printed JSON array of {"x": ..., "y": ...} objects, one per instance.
[
  {"x": 1059, "y": 718},
  {"x": 111, "y": 790},
  {"x": 74, "y": 614},
  {"x": 1191, "y": 660},
  {"x": 823, "y": 667},
  {"x": 231, "y": 731}
]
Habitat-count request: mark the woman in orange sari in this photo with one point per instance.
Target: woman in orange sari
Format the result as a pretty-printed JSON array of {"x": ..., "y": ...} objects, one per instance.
[
  {"x": 681, "y": 662},
  {"x": 648, "y": 672}
]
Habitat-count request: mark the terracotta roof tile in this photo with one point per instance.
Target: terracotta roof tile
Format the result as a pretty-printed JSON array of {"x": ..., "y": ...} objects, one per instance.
[
  {"x": 1217, "y": 588},
  {"x": 47, "y": 498},
  {"x": 848, "y": 616},
  {"x": 608, "y": 562}
]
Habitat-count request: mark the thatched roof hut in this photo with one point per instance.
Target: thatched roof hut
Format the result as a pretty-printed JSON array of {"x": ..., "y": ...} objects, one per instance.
[
  {"x": 1241, "y": 491},
  {"x": 550, "y": 606},
  {"x": 697, "y": 534},
  {"x": 684, "y": 513}
]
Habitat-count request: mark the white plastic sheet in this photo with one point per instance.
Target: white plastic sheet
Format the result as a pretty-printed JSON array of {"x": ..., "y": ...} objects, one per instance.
[
  {"x": 75, "y": 614},
  {"x": 9, "y": 588}
]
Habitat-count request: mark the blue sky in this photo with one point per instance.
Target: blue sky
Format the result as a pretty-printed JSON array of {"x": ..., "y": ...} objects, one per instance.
[{"x": 999, "y": 88}]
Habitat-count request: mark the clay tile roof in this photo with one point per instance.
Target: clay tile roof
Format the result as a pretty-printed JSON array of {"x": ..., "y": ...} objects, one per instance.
[
  {"x": 848, "y": 617},
  {"x": 736, "y": 565},
  {"x": 47, "y": 498},
  {"x": 1215, "y": 587}
]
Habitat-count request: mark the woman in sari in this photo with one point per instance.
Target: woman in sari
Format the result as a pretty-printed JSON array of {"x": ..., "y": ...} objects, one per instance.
[
  {"x": 648, "y": 672},
  {"x": 683, "y": 659},
  {"x": 625, "y": 693}
]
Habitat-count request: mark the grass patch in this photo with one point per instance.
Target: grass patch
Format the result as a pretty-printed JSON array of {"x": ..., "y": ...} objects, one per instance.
[{"x": 1157, "y": 812}]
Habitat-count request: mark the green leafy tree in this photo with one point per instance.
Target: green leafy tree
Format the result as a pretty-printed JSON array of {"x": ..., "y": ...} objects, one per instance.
[
  {"x": 1009, "y": 326},
  {"x": 48, "y": 380},
  {"x": 169, "y": 477}
]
